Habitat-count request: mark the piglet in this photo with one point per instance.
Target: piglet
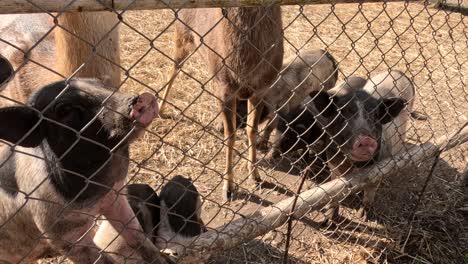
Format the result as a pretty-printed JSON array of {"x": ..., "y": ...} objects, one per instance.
[{"x": 169, "y": 220}]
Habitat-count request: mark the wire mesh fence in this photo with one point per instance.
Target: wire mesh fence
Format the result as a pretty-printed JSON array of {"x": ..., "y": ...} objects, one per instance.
[{"x": 359, "y": 155}]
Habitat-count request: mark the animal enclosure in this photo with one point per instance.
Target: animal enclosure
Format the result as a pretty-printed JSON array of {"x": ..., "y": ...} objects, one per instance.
[{"x": 421, "y": 205}]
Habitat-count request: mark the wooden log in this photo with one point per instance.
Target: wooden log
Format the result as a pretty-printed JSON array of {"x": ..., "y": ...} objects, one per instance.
[
  {"x": 245, "y": 229},
  {"x": 41, "y": 6}
]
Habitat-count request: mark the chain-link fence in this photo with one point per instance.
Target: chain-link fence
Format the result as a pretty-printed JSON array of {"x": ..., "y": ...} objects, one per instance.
[{"x": 359, "y": 155}]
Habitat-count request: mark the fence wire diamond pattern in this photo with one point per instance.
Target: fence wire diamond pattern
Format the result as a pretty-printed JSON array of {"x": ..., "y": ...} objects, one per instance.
[{"x": 360, "y": 147}]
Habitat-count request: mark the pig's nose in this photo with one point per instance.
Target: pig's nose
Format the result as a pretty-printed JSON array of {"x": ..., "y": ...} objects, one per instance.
[
  {"x": 144, "y": 109},
  {"x": 364, "y": 148},
  {"x": 367, "y": 143}
]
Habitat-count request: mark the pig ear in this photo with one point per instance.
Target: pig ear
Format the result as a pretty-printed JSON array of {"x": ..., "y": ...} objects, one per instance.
[
  {"x": 390, "y": 108},
  {"x": 324, "y": 103},
  {"x": 16, "y": 122},
  {"x": 6, "y": 70}
]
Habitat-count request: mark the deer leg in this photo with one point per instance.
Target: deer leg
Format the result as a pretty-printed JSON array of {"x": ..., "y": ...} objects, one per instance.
[
  {"x": 183, "y": 42},
  {"x": 254, "y": 110},
  {"x": 175, "y": 71},
  {"x": 229, "y": 121}
]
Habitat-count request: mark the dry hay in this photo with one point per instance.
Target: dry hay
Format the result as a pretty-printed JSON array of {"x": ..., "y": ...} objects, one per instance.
[{"x": 428, "y": 44}]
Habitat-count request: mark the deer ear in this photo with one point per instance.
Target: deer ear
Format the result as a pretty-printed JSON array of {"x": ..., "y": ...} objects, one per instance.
[
  {"x": 16, "y": 122},
  {"x": 6, "y": 71}
]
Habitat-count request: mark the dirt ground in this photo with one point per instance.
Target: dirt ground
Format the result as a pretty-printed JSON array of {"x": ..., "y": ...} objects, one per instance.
[{"x": 428, "y": 45}]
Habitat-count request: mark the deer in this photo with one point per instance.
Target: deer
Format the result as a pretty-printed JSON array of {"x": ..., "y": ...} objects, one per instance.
[
  {"x": 244, "y": 52},
  {"x": 41, "y": 53}
]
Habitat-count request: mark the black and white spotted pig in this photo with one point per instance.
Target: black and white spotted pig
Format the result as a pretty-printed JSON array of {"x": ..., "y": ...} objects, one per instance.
[
  {"x": 64, "y": 161},
  {"x": 354, "y": 126},
  {"x": 180, "y": 210},
  {"x": 168, "y": 219},
  {"x": 298, "y": 129}
]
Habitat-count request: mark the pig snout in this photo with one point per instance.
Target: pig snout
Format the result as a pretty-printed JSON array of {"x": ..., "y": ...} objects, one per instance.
[
  {"x": 364, "y": 148},
  {"x": 145, "y": 109}
]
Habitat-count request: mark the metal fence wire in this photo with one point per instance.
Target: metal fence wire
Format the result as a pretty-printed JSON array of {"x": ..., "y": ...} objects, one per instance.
[{"x": 366, "y": 161}]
